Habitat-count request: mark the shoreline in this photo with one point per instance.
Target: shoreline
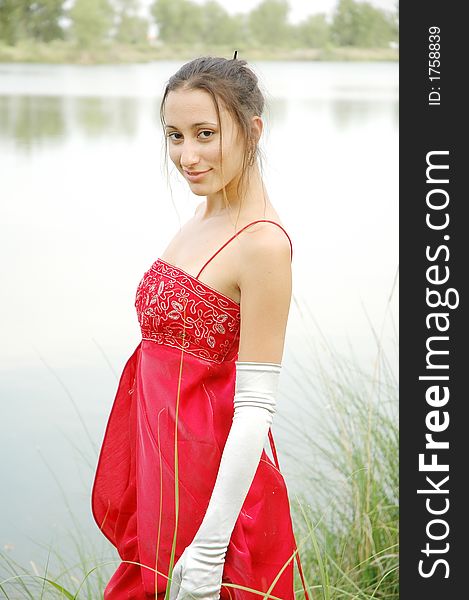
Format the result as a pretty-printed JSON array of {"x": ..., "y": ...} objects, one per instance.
[{"x": 60, "y": 52}]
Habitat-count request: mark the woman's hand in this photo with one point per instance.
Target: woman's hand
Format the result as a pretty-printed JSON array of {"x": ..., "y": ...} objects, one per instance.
[{"x": 197, "y": 574}]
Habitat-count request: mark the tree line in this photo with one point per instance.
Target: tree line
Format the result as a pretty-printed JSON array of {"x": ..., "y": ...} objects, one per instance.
[{"x": 183, "y": 22}]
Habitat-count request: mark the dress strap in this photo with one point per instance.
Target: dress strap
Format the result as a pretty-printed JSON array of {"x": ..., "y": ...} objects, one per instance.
[
  {"x": 242, "y": 229},
  {"x": 295, "y": 546}
]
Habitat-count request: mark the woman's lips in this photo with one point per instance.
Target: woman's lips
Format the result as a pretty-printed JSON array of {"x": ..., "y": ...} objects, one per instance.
[{"x": 195, "y": 175}]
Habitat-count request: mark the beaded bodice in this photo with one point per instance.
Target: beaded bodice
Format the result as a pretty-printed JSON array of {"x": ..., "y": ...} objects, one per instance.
[{"x": 176, "y": 309}]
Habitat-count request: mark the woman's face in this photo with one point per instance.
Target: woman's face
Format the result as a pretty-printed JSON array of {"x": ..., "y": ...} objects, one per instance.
[{"x": 193, "y": 135}]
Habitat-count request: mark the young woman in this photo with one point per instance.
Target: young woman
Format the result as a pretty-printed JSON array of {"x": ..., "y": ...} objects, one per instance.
[{"x": 183, "y": 488}]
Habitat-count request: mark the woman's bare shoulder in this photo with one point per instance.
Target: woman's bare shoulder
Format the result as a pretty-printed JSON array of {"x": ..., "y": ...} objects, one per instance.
[
  {"x": 266, "y": 250},
  {"x": 263, "y": 237}
]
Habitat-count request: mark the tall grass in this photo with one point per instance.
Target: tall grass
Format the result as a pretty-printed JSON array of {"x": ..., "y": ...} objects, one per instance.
[
  {"x": 345, "y": 519},
  {"x": 347, "y": 511}
]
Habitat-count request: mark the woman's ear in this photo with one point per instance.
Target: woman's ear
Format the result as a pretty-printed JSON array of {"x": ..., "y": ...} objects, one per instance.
[{"x": 257, "y": 126}]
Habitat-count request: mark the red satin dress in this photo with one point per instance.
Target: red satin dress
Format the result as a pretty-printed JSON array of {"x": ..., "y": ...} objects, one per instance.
[{"x": 178, "y": 386}]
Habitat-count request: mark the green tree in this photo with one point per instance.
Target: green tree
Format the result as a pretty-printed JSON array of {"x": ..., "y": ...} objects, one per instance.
[
  {"x": 131, "y": 28},
  {"x": 313, "y": 32},
  {"x": 11, "y": 18},
  {"x": 92, "y": 21},
  {"x": 378, "y": 27},
  {"x": 219, "y": 27},
  {"x": 360, "y": 24},
  {"x": 395, "y": 21},
  {"x": 268, "y": 23},
  {"x": 38, "y": 20},
  {"x": 43, "y": 20},
  {"x": 178, "y": 21}
]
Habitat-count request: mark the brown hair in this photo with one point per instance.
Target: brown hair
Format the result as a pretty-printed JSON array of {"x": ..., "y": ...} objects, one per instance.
[{"x": 236, "y": 85}]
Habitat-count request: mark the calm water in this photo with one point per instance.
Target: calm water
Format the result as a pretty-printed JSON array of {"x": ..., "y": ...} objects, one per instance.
[{"x": 86, "y": 210}]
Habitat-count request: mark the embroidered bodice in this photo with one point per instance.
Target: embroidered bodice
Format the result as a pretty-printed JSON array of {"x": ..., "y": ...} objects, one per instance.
[{"x": 178, "y": 310}]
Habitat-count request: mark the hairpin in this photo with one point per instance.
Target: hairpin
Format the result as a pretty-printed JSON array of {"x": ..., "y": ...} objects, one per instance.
[{"x": 235, "y": 55}]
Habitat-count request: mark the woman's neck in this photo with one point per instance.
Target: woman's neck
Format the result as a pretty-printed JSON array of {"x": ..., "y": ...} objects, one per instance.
[{"x": 253, "y": 199}]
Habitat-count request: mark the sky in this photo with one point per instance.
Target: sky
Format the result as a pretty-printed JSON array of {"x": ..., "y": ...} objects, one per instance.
[{"x": 299, "y": 9}]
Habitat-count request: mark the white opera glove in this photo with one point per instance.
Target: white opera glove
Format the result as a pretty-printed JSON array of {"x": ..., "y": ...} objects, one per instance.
[{"x": 198, "y": 572}]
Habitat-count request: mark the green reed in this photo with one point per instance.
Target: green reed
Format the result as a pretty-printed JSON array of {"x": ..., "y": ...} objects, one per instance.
[{"x": 348, "y": 505}]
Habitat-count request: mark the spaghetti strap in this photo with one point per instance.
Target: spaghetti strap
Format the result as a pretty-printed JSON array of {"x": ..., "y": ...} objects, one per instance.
[
  {"x": 295, "y": 546},
  {"x": 242, "y": 229}
]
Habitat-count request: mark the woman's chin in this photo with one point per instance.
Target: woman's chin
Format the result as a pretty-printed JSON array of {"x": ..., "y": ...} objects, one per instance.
[{"x": 198, "y": 190}]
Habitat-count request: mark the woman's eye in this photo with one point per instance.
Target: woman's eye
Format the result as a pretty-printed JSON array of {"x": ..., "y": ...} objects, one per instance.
[
  {"x": 206, "y": 131},
  {"x": 173, "y": 133}
]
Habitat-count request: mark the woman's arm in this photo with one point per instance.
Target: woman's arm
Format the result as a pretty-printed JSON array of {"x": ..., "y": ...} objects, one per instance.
[{"x": 265, "y": 282}]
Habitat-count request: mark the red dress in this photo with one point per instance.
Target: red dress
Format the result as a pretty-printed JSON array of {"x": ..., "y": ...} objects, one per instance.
[{"x": 178, "y": 385}]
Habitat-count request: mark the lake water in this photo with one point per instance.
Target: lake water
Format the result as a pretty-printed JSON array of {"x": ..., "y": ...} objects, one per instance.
[{"x": 85, "y": 210}]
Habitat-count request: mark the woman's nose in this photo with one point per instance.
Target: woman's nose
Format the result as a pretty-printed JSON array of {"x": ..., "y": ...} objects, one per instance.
[{"x": 189, "y": 155}]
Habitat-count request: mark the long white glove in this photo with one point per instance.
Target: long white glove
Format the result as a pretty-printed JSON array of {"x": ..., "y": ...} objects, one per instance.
[{"x": 198, "y": 572}]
